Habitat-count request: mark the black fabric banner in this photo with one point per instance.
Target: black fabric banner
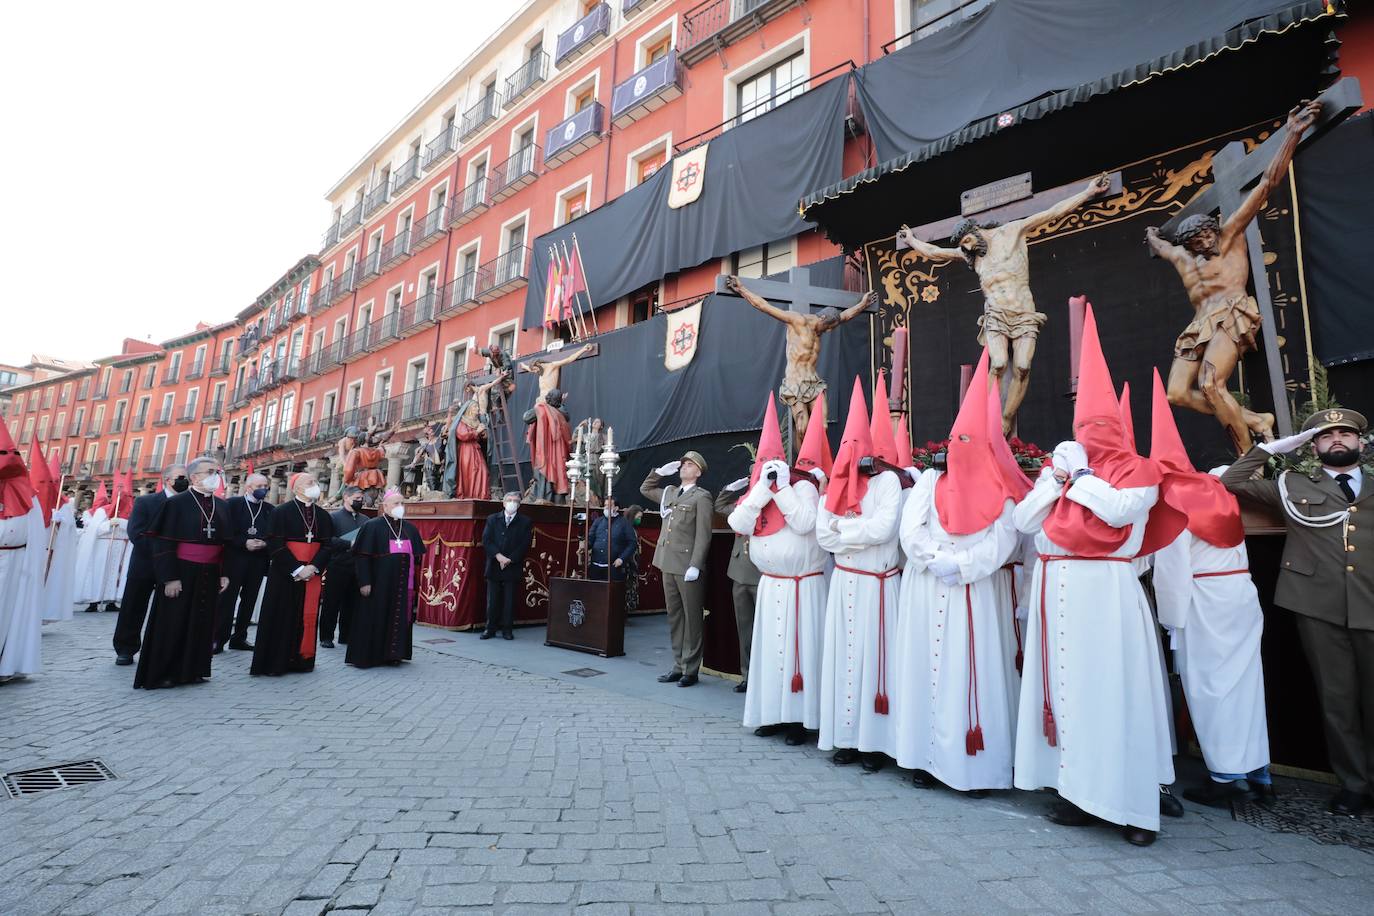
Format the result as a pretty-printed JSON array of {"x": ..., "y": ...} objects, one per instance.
[
  {"x": 755, "y": 176},
  {"x": 1019, "y": 50},
  {"x": 1335, "y": 177}
]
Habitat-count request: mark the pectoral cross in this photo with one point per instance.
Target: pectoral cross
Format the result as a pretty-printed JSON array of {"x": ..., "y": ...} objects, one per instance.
[
  {"x": 400, "y": 543},
  {"x": 309, "y": 536},
  {"x": 209, "y": 530}
]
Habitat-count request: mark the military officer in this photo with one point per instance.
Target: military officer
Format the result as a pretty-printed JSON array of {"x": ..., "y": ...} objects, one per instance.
[
  {"x": 1327, "y": 579},
  {"x": 744, "y": 581},
  {"x": 680, "y": 557}
]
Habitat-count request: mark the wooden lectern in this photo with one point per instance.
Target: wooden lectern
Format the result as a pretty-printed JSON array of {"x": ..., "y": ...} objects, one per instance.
[{"x": 587, "y": 615}]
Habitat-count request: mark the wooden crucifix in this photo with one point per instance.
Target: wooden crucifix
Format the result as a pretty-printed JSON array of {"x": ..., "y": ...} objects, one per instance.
[
  {"x": 1217, "y": 258},
  {"x": 801, "y": 384}
]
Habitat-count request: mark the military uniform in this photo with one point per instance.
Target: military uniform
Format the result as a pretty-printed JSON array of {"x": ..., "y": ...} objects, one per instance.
[
  {"x": 683, "y": 542},
  {"x": 1327, "y": 580},
  {"x": 744, "y": 583}
]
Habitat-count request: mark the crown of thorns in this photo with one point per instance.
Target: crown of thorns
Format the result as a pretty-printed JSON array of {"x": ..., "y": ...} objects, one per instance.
[{"x": 1194, "y": 225}]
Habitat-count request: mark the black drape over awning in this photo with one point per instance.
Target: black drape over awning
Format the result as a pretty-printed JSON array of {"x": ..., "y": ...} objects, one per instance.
[
  {"x": 749, "y": 197},
  {"x": 1023, "y": 60},
  {"x": 1335, "y": 202}
]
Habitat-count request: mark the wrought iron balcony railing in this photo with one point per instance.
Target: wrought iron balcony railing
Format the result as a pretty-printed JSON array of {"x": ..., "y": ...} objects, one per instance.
[
  {"x": 406, "y": 173},
  {"x": 468, "y": 202},
  {"x": 196, "y": 371},
  {"x": 441, "y": 146},
  {"x": 579, "y": 39},
  {"x": 163, "y": 419},
  {"x": 372, "y": 265},
  {"x": 213, "y": 411},
  {"x": 647, "y": 91},
  {"x": 428, "y": 230},
  {"x": 481, "y": 114},
  {"x": 580, "y": 132},
  {"x": 516, "y": 172},
  {"x": 531, "y": 73},
  {"x": 396, "y": 250},
  {"x": 221, "y": 367},
  {"x": 503, "y": 274},
  {"x": 717, "y": 23},
  {"x": 373, "y": 200}
]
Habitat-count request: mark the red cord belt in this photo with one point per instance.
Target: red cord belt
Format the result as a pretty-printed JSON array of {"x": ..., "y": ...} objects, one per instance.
[
  {"x": 880, "y": 704},
  {"x": 1051, "y": 732},
  {"x": 1224, "y": 572},
  {"x": 796, "y": 627},
  {"x": 1015, "y": 622}
]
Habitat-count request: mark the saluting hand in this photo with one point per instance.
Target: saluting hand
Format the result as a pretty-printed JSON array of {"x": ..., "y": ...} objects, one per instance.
[{"x": 669, "y": 468}]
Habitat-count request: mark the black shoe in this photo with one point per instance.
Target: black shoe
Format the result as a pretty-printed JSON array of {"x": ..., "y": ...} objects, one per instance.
[
  {"x": 687, "y": 680},
  {"x": 507, "y": 635},
  {"x": 1263, "y": 795},
  {"x": 124, "y": 659},
  {"x": 845, "y": 756},
  {"x": 217, "y": 650},
  {"x": 165, "y": 683},
  {"x": 486, "y": 635},
  {"x": 742, "y": 687},
  {"x": 92, "y": 608},
  {"x": 1169, "y": 806},
  {"x": 241, "y": 645},
  {"x": 670, "y": 678},
  {"x": 796, "y": 734},
  {"x": 874, "y": 761},
  {"x": 976, "y": 793},
  {"x": 923, "y": 780},
  {"x": 1067, "y": 815},
  {"x": 1138, "y": 836},
  {"x": 768, "y": 731},
  {"x": 1347, "y": 804},
  {"x": 1215, "y": 794},
  {"x": 327, "y": 643}
]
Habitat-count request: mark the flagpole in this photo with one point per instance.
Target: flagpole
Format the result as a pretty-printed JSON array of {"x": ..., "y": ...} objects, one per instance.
[
  {"x": 579, "y": 320},
  {"x": 582, "y": 271}
]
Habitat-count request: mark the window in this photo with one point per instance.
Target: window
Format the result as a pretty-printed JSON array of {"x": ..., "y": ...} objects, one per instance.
[
  {"x": 85, "y": 390},
  {"x": 572, "y": 203},
  {"x": 317, "y": 342},
  {"x": 393, "y": 300},
  {"x": 288, "y": 411},
  {"x": 148, "y": 379},
  {"x": 415, "y": 376},
  {"x": 126, "y": 384},
  {"x": 381, "y": 389},
  {"x": 43, "y": 428},
  {"x": 355, "y": 395},
  {"x": 647, "y": 165},
  {"x": 772, "y": 87},
  {"x": 307, "y": 415},
  {"x": 135, "y": 448},
  {"x": 762, "y": 260},
  {"x": 142, "y": 416},
  {"x": 645, "y": 161},
  {"x": 582, "y": 95},
  {"x": 192, "y": 399},
  {"x": 584, "y": 98},
  {"x": 183, "y": 446},
  {"x": 27, "y": 434},
  {"x": 304, "y": 305},
  {"x": 289, "y": 306},
  {"x": 504, "y": 338},
  {"x": 930, "y": 16},
  {"x": 297, "y": 343},
  {"x": 467, "y": 280},
  {"x": 330, "y": 399},
  {"x": 168, "y": 402},
  {"x": 514, "y": 237},
  {"x": 159, "y": 449}
]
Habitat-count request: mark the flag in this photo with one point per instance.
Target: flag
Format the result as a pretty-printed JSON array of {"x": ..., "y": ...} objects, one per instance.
[
  {"x": 689, "y": 175},
  {"x": 553, "y": 290},
  {"x": 684, "y": 330},
  {"x": 574, "y": 282}
]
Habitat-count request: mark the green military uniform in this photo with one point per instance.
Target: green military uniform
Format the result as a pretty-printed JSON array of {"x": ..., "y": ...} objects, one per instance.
[
  {"x": 683, "y": 542},
  {"x": 744, "y": 583},
  {"x": 1327, "y": 580}
]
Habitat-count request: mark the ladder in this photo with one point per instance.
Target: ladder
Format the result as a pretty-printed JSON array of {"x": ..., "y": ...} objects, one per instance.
[{"x": 505, "y": 456}]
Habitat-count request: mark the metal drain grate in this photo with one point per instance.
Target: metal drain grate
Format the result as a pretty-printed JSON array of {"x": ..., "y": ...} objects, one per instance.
[
  {"x": 45, "y": 779},
  {"x": 435, "y": 642},
  {"x": 584, "y": 672},
  {"x": 1301, "y": 809}
]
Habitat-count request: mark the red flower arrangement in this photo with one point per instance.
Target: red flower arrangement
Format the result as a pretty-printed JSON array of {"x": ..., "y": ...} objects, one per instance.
[{"x": 1028, "y": 455}]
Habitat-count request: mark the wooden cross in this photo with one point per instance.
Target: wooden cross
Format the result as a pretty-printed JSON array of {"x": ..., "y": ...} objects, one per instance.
[
  {"x": 1232, "y": 170},
  {"x": 796, "y": 291},
  {"x": 1037, "y": 202}
]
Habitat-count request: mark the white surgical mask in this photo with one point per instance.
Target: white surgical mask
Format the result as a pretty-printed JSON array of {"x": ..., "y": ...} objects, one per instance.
[
  {"x": 210, "y": 483},
  {"x": 397, "y": 512},
  {"x": 511, "y": 507},
  {"x": 312, "y": 492}
]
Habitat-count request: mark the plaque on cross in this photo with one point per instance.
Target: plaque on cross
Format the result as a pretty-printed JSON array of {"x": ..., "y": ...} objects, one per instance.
[{"x": 796, "y": 291}]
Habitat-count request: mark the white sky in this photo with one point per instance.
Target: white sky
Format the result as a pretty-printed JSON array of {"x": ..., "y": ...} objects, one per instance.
[{"x": 166, "y": 161}]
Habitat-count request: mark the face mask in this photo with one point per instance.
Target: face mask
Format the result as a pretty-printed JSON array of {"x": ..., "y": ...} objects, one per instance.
[
  {"x": 355, "y": 506},
  {"x": 397, "y": 512},
  {"x": 636, "y": 523},
  {"x": 209, "y": 483},
  {"x": 312, "y": 492},
  {"x": 180, "y": 484},
  {"x": 511, "y": 507},
  {"x": 260, "y": 494}
]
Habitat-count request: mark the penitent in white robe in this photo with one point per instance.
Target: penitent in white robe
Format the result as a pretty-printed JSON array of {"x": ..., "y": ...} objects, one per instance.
[
  {"x": 59, "y": 588},
  {"x": 1217, "y": 626},
  {"x": 858, "y": 639},
  {"x": 1102, "y": 645},
  {"x": 786, "y": 630},
  {"x": 939, "y": 695},
  {"x": 23, "y": 554},
  {"x": 106, "y": 561}
]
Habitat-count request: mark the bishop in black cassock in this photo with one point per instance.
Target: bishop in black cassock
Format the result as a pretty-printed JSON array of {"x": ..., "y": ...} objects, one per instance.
[
  {"x": 387, "y": 556},
  {"x": 299, "y": 538},
  {"x": 188, "y": 538}
]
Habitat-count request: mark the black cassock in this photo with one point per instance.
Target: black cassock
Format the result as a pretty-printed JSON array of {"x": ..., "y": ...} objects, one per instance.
[
  {"x": 382, "y": 620},
  {"x": 287, "y": 624},
  {"x": 188, "y": 539}
]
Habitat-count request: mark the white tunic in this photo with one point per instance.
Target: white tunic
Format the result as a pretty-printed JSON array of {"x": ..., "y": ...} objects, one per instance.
[
  {"x": 939, "y": 696},
  {"x": 1108, "y": 700},
  {"x": 59, "y": 589},
  {"x": 21, "y": 592},
  {"x": 852, "y": 667},
  {"x": 785, "y": 630},
  {"x": 106, "y": 565},
  {"x": 1217, "y": 625}
]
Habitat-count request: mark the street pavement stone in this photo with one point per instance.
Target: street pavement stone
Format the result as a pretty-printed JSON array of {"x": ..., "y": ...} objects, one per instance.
[{"x": 455, "y": 785}]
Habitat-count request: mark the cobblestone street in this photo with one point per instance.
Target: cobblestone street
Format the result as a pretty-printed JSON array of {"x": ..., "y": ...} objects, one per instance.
[{"x": 453, "y": 784}]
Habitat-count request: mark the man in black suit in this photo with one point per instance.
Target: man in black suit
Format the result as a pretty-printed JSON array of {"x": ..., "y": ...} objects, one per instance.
[
  {"x": 141, "y": 580},
  {"x": 340, "y": 584},
  {"x": 505, "y": 539},
  {"x": 245, "y": 562}
]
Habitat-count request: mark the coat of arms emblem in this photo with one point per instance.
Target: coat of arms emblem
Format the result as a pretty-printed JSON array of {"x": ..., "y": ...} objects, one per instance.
[{"x": 577, "y": 612}]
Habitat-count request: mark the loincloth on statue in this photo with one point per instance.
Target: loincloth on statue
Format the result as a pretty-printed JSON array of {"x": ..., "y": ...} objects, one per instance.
[
  {"x": 1010, "y": 324},
  {"x": 803, "y": 392},
  {"x": 369, "y": 478},
  {"x": 1238, "y": 317}
]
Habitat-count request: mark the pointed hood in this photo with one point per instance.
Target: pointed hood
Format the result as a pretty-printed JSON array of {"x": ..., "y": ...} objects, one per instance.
[
  {"x": 123, "y": 495},
  {"x": 770, "y": 520},
  {"x": 880, "y": 428},
  {"x": 1123, "y": 411},
  {"x": 1014, "y": 479},
  {"x": 815, "y": 447},
  {"x": 848, "y": 484},
  {"x": 102, "y": 499},
  {"x": 1097, "y": 427},
  {"x": 903, "y": 437},
  {"x": 970, "y": 496},
  {"x": 1197, "y": 501},
  {"x": 16, "y": 489},
  {"x": 44, "y": 486}
]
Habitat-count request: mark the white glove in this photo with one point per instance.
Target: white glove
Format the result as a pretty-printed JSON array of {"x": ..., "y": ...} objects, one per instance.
[
  {"x": 819, "y": 475},
  {"x": 735, "y": 486},
  {"x": 1070, "y": 456},
  {"x": 691, "y": 574},
  {"x": 1219, "y": 470},
  {"x": 943, "y": 565},
  {"x": 951, "y": 580},
  {"x": 914, "y": 474},
  {"x": 759, "y": 495},
  {"x": 781, "y": 472},
  {"x": 669, "y": 468},
  {"x": 1059, "y": 457},
  {"x": 1289, "y": 443}
]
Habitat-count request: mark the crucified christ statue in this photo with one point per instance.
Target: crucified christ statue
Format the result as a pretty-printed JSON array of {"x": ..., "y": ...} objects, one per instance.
[
  {"x": 1213, "y": 262},
  {"x": 801, "y": 385},
  {"x": 997, "y": 254},
  {"x": 549, "y": 370}
]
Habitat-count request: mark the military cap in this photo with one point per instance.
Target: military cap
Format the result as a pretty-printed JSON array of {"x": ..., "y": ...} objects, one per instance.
[
  {"x": 1336, "y": 418},
  {"x": 695, "y": 458}
]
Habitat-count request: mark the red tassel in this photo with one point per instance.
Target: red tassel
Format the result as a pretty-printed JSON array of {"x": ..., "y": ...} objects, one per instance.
[
  {"x": 978, "y": 739},
  {"x": 797, "y": 682},
  {"x": 880, "y": 704},
  {"x": 1051, "y": 730},
  {"x": 1020, "y": 660}
]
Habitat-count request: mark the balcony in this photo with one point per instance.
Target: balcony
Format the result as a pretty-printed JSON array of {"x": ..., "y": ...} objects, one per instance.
[
  {"x": 213, "y": 411},
  {"x": 372, "y": 266},
  {"x": 109, "y": 465},
  {"x": 86, "y": 470},
  {"x": 84, "y": 391},
  {"x": 322, "y": 360},
  {"x": 220, "y": 368},
  {"x": 138, "y": 423},
  {"x": 580, "y": 132},
  {"x": 125, "y": 386},
  {"x": 515, "y": 173},
  {"x": 579, "y": 39},
  {"x": 531, "y": 73},
  {"x": 331, "y": 237},
  {"x": 438, "y": 149},
  {"x": 63, "y": 398},
  {"x": 288, "y": 369},
  {"x": 630, "y": 7},
  {"x": 154, "y": 463},
  {"x": 196, "y": 371},
  {"x": 423, "y": 311},
  {"x": 647, "y": 91},
  {"x": 459, "y": 296},
  {"x": 396, "y": 250},
  {"x": 171, "y": 378},
  {"x": 498, "y": 277},
  {"x": 405, "y": 175},
  {"x": 102, "y": 391},
  {"x": 716, "y": 24},
  {"x": 92, "y": 431},
  {"x": 351, "y": 217},
  {"x": 379, "y": 195},
  {"x": 429, "y": 230},
  {"x": 55, "y": 433},
  {"x": 116, "y": 426},
  {"x": 47, "y": 399},
  {"x": 469, "y": 202},
  {"x": 341, "y": 287},
  {"x": 481, "y": 114},
  {"x": 163, "y": 419},
  {"x": 249, "y": 340}
]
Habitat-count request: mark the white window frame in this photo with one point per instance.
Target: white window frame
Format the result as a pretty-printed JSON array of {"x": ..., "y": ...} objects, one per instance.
[
  {"x": 497, "y": 330},
  {"x": 654, "y": 36},
  {"x": 573, "y": 91},
  {"x": 503, "y": 240},
  {"x": 389, "y": 372},
  {"x": 632, "y": 161},
  {"x": 560, "y": 200},
  {"x": 768, "y": 59},
  {"x": 468, "y": 345},
  {"x": 519, "y": 129}
]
